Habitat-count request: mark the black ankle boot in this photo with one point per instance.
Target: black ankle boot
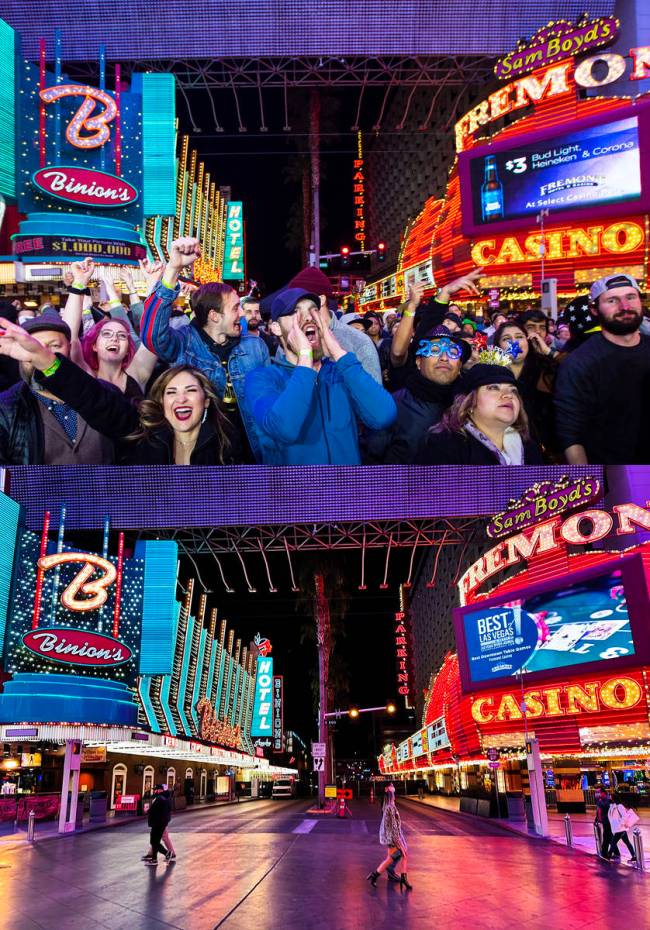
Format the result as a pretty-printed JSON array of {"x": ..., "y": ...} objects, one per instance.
[
  {"x": 405, "y": 882},
  {"x": 372, "y": 878}
]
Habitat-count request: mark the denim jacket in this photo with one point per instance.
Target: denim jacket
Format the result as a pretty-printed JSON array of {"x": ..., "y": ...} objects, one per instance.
[{"x": 186, "y": 347}]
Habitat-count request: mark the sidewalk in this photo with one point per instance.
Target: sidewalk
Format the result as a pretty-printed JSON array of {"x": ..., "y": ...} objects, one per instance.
[
  {"x": 49, "y": 829},
  {"x": 582, "y": 824}
]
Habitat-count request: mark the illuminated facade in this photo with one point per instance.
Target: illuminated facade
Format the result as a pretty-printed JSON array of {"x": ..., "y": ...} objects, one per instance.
[
  {"x": 209, "y": 694},
  {"x": 201, "y": 209},
  {"x": 586, "y": 692},
  {"x": 578, "y": 242}
]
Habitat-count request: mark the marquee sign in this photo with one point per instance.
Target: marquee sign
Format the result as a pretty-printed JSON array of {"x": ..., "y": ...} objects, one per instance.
[
  {"x": 601, "y": 239},
  {"x": 546, "y": 83},
  {"x": 76, "y": 647},
  {"x": 69, "y": 248},
  {"x": 278, "y": 716},
  {"x": 262, "y": 718},
  {"x": 85, "y": 186},
  {"x": 579, "y": 529},
  {"x": 590, "y": 697},
  {"x": 554, "y": 41},
  {"x": 540, "y": 501},
  {"x": 233, "y": 263}
]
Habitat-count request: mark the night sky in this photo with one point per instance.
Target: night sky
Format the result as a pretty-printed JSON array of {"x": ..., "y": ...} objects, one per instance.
[
  {"x": 263, "y": 170},
  {"x": 366, "y": 649}
]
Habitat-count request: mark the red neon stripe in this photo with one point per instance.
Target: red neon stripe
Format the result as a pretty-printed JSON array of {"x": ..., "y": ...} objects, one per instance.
[
  {"x": 39, "y": 574},
  {"x": 41, "y": 109},
  {"x": 118, "y": 121},
  {"x": 118, "y": 585},
  {"x": 146, "y": 338}
]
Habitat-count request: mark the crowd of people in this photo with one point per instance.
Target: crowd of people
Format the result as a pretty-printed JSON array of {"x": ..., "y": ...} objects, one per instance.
[{"x": 288, "y": 379}]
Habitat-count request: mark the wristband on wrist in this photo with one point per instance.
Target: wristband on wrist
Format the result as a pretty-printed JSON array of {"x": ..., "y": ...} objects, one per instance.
[
  {"x": 408, "y": 313},
  {"x": 441, "y": 299},
  {"x": 306, "y": 352},
  {"x": 115, "y": 303},
  {"x": 78, "y": 287},
  {"x": 172, "y": 287},
  {"x": 56, "y": 364}
]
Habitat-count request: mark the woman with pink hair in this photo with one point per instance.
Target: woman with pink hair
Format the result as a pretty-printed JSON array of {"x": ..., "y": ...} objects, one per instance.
[{"x": 108, "y": 350}]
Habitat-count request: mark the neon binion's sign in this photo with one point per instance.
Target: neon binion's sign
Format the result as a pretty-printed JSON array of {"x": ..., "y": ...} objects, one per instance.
[
  {"x": 95, "y": 126},
  {"x": 95, "y": 591}
]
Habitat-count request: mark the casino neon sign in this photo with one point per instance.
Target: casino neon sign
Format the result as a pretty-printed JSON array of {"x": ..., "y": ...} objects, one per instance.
[
  {"x": 572, "y": 242},
  {"x": 94, "y": 591},
  {"x": 588, "y": 698}
]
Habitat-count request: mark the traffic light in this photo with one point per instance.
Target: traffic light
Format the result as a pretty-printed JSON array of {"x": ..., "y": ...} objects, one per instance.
[
  {"x": 381, "y": 251},
  {"x": 345, "y": 256}
]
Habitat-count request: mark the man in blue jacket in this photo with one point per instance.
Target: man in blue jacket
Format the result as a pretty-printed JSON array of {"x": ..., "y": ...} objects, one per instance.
[
  {"x": 213, "y": 342},
  {"x": 308, "y": 404}
]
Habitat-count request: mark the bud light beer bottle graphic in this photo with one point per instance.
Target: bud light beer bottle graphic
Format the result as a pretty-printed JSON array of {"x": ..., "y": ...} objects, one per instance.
[{"x": 491, "y": 192}]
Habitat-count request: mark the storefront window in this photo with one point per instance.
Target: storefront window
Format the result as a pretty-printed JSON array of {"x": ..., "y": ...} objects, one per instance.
[
  {"x": 147, "y": 781},
  {"x": 119, "y": 782},
  {"x": 171, "y": 778}
]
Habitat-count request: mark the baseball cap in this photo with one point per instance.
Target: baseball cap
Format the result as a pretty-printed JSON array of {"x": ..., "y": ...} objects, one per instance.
[
  {"x": 605, "y": 284},
  {"x": 285, "y": 301},
  {"x": 48, "y": 320}
]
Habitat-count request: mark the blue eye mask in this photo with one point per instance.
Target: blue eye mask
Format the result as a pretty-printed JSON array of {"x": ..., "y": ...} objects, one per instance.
[{"x": 434, "y": 348}]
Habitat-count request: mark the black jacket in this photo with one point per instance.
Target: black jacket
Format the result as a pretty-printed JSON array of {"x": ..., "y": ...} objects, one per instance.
[
  {"x": 160, "y": 812},
  {"x": 109, "y": 412},
  {"x": 398, "y": 445},
  {"x": 21, "y": 427},
  {"x": 451, "y": 448}
]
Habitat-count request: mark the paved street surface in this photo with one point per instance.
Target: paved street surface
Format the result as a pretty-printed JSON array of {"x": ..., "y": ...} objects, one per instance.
[{"x": 270, "y": 866}]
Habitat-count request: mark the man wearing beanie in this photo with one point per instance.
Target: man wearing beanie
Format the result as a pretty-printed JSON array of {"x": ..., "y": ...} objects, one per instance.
[
  {"x": 307, "y": 405},
  {"x": 36, "y": 428},
  {"x": 602, "y": 387},
  {"x": 352, "y": 340}
]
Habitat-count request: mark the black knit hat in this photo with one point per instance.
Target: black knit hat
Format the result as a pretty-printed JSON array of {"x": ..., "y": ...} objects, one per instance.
[{"x": 481, "y": 374}]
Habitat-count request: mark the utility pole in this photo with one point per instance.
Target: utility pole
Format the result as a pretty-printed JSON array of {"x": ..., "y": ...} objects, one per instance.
[
  {"x": 322, "y": 617},
  {"x": 314, "y": 153}
]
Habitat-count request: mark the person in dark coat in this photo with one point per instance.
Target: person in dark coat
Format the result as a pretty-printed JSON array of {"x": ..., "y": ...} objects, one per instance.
[
  {"x": 486, "y": 425},
  {"x": 179, "y": 423},
  {"x": 430, "y": 388},
  {"x": 157, "y": 819}
]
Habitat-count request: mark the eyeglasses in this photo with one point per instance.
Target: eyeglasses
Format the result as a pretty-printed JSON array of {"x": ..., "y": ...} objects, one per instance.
[
  {"x": 434, "y": 348},
  {"x": 107, "y": 334}
]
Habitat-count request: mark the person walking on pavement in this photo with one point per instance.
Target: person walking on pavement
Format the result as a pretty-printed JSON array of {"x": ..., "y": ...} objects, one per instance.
[
  {"x": 158, "y": 819},
  {"x": 603, "y": 802},
  {"x": 621, "y": 819},
  {"x": 391, "y": 835},
  {"x": 170, "y": 856}
]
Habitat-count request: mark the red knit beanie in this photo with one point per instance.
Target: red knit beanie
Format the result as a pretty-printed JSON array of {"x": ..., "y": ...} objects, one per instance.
[{"x": 313, "y": 280}]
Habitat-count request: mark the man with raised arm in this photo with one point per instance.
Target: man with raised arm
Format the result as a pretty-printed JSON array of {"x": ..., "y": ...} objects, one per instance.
[{"x": 213, "y": 342}]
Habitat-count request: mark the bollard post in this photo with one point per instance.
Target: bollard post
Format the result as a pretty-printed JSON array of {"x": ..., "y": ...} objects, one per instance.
[
  {"x": 568, "y": 830},
  {"x": 599, "y": 839},
  {"x": 637, "y": 842},
  {"x": 31, "y": 821}
]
